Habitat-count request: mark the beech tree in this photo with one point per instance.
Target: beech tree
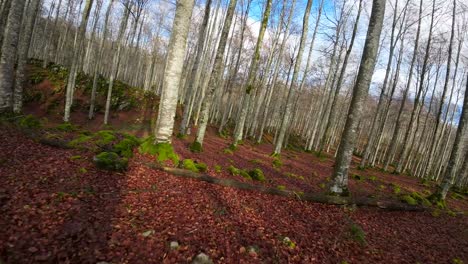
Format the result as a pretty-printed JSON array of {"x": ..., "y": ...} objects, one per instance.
[
  {"x": 361, "y": 87},
  {"x": 172, "y": 73}
]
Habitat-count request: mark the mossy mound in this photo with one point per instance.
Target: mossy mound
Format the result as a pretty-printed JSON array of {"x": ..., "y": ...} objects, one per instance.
[
  {"x": 277, "y": 163},
  {"x": 29, "y": 122},
  {"x": 110, "y": 161},
  {"x": 194, "y": 166},
  {"x": 163, "y": 151},
  {"x": 218, "y": 168},
  {"x": 257, "y": 175},
  {"x": 66, "y": 127},
  {"x": 125, "y": 147},
  {"x": 196, "y": 147},
  {"x": 409, "y": 200}
]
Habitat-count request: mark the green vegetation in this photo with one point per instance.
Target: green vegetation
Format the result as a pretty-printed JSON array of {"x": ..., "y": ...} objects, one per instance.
[
  {"x": 105, "y": 137},
  {"x": 80, "y": 141},
  {"x": 110, "y": 161},
  {"x": 322, "y": 185},
  {"x": 289, "y": 243},
  {"x": 396, "y": 188},
  {"x": 277, "y": 163},
  {"x": 409, "y": 200},
  {"x": 163, "y": 151},
  {"x": 30, "y": 122},
  {"x": 75, "y": 157},
  {"x": 257, "y": 175},
  {"x": 372, "y": 178},
  {"x": 83, "y": 170},
  {"x": 218, "y": 168},
  {"x": 228, "y": 151},
  {"x": 357, "y": 234},
  {"x": 420, "y": 199},
  {"x": 281, "y": 187},
  {"x": 196, "y": 147},
  {"x": 292, "y": 175},
  {"x": 358, "y": 177},
  {"x": 256, "y": 161},
  {"x": 66, "y": 127},
  {"x": 194, "y": 166}
]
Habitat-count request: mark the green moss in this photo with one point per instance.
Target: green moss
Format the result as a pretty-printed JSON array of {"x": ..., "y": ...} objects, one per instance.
[
  {"x": 277, "y": 163},
  {"x": 451, "y": 213},
  {"x": 357, "y": 234},
  {"x": 457, "y": 261},
  {"x": 79, "y": 141},
  {"x": 75, "y": 157},
  {"x": 228, "y": 151},
  {"x": 202, "y": 167},
  {"x": 233, "y": 170},
  {"x": 382, "y": 187},
  {"x": 218, "y": 168},
  {"x": 257, "y": 175},
  {"x": 233, "y": 147},
  {"x": 436, "y": 213},
  {"x": 105, "y": 137},
  {"x": 396, "y": 189},
  {"x": 281, "y": 187},
  {"x": 30, "y": 122},
  {"x": 358, "y": 177},
  {"x": 189, "y": 165},
  {"x": 372, "y": 178},
  {"x": 292, "y": 175},
  {"x": 82, "y": 170},
  {"x": 245, "y": 174},
  {"x": 322, "y": 185},
  {"x": 125, "y": 147},
  {"x": 66, "y": 127},
  {"x": 196, "y": 147},
  {"x": 163, "y": 151},
  {"x": 110, "y": 161},
  {"x": 289, "y": 243},
  {"x": 409, "y": 200},
  {"x": 457, "y": 196},
  {"x": 256, "y": 161},
  {"x": 421, "y": 199}
]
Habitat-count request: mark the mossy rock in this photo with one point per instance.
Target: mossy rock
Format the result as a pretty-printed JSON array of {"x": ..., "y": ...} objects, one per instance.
[
  {"x": 196, "y": 147},
  {"x": 257, "y": 175},
  {"x": 245, "y": 174},
  {"x": 277, "y": 163},
  {"x": 125, "y": 147},
  {"x": 80, "y": 141},
  {"x": 110, "y": 161},
  {"x": 163, "y": 151},
  {"x": 105, "y": 137},
  {"x": 202, "y": 167},
  {"x": 66, "y": 127},
  {"x": 30, "y": 122},
  {"x": 421, "y": 199}
]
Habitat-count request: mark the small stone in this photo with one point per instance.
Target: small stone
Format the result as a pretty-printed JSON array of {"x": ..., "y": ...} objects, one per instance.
[
  {"x": 242, "y": 250},
  {"x": 174, "y": 245},
  {"x": 32, "y": 249},
  {"x": 202, "y": 258}
]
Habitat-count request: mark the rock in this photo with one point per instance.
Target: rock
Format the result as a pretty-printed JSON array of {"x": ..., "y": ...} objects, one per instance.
[
  {"x": 242, "y": 250},
  {"x": 202, "y": 258},
  {"x": 174, "y": 245}
]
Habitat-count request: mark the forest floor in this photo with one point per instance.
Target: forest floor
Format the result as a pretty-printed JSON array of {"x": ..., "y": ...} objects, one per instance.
[{"x": 57, "y": 207}]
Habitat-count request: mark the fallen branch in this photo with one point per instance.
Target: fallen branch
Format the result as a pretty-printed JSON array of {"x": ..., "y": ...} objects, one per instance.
[{"x": 310, "y": 197}]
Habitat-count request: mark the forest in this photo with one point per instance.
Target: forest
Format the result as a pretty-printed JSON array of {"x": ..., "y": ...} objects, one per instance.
[{"x": 233, "y": 131}]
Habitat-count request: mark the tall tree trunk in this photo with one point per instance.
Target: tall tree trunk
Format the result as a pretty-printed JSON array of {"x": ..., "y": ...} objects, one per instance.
[
  {"x": 195, "y": 74},
  {"x": 449, "y": 176},
  {"x": 216, "y": 75},
  {"x": 297, "y": 67},
  {"x": 116, "y": 60},
  {"x": 360, "y": 91},
  {"x": 75, "y": 60},
  {"x": 250, "y": 86},
  {"x": 8, "y": 56},
  {"x": 173, "y": 71},
  {"x": 23, "y": 52}
]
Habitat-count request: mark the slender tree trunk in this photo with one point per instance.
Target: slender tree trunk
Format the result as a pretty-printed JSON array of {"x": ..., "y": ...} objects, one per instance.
[
  {"x": 360, "y": 91},
  {"x": 8, "y": 56},
  {"x": 173, "y": 71},
  {"x": 23, "y": 52},
  {"x": 75, "y": 60}
]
